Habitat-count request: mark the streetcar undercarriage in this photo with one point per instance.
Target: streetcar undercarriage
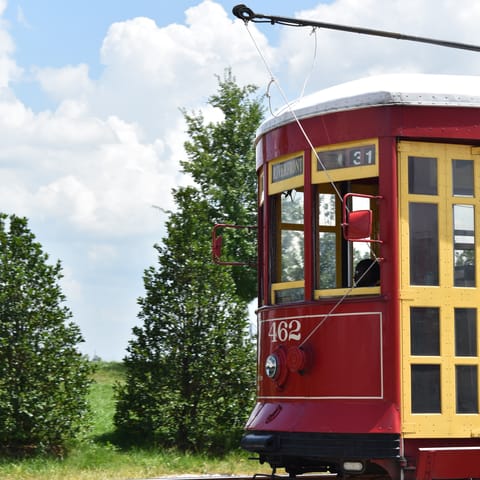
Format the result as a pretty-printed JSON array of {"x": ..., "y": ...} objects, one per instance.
[{"x": 350, "y": 454}]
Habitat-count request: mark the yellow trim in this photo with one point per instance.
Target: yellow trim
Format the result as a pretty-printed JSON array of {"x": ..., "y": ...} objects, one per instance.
[
  {"x": 339, "y": 292},
  {"x": 276, "y": 287},
  {"x": 289, "y": 183},
  {"x": 445, "y": 296},
  {"x": 346, "y": 173}
]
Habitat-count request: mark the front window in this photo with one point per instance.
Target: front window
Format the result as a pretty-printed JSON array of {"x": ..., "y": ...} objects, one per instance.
[
  {"x": 341, "y": 264},
  {"x": 327, "y": 239},
  {"x": 305, "y": 223},
  {"x": 288, "y": 246}
]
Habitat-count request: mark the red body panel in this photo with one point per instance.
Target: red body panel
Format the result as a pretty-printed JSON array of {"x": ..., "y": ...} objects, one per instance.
[
  {"x": 347, "y": 380},
  {"x": 451, "y": 462},
  {"x": 348, "y": 416},
  {"x": 351, "y": 342}
]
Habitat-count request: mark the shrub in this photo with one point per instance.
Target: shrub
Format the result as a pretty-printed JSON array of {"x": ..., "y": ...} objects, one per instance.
[{"x": 44, "y": 380}]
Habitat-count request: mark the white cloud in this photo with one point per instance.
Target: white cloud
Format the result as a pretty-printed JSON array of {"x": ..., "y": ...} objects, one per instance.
[
  {"x": 72, "y": 288},
  {"x": 151, "y": 71},
  {"x": 65, "y": 83},
  {"x": 14, "y": 115},
  {"x": 68, "y": 197}
]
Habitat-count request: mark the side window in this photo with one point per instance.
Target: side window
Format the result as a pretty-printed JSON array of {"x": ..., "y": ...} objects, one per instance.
[
  {"x": 287, "y": 243},
  {"x": 423, "y": 219},
  {"x": 464, "y": 245},
  {"x": 463, "y": 223},
  {"x": 423, "y": 243}
]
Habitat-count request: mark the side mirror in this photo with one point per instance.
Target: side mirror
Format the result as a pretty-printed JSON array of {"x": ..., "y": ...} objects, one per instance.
[{"x": 357, "y": 225}]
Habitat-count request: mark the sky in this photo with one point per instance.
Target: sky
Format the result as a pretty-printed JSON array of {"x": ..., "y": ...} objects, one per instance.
[{"x": 91, "y": 129}]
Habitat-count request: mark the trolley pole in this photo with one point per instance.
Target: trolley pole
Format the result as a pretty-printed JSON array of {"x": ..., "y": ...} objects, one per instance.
[{"x": 247, "y": 15}]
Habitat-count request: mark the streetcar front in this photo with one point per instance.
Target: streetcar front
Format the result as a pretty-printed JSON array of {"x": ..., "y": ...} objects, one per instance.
[
  {"x": 368, "y": 344},
  {"x": 328, "y": 393}
]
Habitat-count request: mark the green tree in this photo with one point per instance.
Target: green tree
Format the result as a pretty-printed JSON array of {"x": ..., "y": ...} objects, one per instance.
[
  {"x": 221, "y": 160},
  {"x": 44, "y": 380},
  {"x": 191, "y": 364},
  {"x": 190, "y": 368}
]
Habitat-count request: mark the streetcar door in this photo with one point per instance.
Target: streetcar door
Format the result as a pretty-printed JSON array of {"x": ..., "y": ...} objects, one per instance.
[{"x": 439, "y": 212}]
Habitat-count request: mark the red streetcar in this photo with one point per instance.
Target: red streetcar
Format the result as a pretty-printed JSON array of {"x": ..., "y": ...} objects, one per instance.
[
  {"x": 369, "y": 286},
  {"x": 368, "y": 348}
]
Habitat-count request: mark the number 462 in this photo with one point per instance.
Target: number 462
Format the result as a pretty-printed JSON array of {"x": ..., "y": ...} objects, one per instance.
[{"x": 283, "y": 331}]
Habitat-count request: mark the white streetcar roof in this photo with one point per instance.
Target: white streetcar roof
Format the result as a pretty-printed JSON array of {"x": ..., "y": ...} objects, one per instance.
[{"x": 394, "y": 89}]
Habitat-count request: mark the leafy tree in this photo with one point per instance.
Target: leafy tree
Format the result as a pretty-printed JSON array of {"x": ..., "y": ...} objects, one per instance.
[
  {"x": 191, "y": 365},
  {"x": 190, "y": 369},
  {"x": 43, "y": 378},
  {"x": 221, "y": 160}
]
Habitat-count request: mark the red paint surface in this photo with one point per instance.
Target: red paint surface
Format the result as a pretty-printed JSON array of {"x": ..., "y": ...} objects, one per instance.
[
  {"x": 445, "y": 463},
  {"x": 344, "y": 357}
]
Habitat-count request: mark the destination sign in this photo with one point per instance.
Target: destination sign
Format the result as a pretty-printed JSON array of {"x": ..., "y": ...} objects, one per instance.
[
  {"x": 346, "y": 158},
  {"x": 287, "y": 169}
]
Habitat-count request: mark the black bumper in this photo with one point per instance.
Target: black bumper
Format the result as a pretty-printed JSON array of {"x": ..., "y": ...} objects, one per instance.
[{"x": 295, "y": 450}]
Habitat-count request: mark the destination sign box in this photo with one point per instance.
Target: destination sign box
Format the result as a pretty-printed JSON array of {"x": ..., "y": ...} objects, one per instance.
[
  {"x": 346, "y": 158},
  {"x": 287, "y": 169}
]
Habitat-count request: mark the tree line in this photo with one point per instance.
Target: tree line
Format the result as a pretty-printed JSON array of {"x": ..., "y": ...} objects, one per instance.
[{"x": 190, "y": 366}]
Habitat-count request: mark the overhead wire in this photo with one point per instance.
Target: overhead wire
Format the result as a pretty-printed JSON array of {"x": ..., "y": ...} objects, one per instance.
[{"x": 314, "y": 60}]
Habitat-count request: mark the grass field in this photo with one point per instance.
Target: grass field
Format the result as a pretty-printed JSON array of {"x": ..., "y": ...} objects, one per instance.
[{"x": 95, "y": 458}]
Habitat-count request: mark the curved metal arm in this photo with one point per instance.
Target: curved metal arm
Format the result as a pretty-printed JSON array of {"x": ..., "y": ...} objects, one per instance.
[
  {"x": 247, "y": 15},
  {"x": 217, "y": 242}
]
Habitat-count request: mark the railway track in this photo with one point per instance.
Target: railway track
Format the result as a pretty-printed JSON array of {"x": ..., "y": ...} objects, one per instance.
[{"x": 259, "y": 476}]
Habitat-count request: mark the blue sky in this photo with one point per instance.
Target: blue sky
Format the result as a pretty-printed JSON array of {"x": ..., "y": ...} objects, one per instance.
[{"x": 91, "y": 133}]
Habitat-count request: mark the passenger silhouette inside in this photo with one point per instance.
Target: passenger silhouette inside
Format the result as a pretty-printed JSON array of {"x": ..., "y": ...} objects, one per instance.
[{"x": 367, "y": 273}]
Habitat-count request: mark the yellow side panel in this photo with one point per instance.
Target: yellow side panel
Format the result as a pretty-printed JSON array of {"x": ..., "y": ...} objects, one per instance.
[{"x": 445, "y": 296}]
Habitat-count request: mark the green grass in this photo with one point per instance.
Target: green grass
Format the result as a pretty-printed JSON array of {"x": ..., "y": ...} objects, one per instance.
[
  {"x": 94, "y": 458},
  {"x": 101, "y": 396}
]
